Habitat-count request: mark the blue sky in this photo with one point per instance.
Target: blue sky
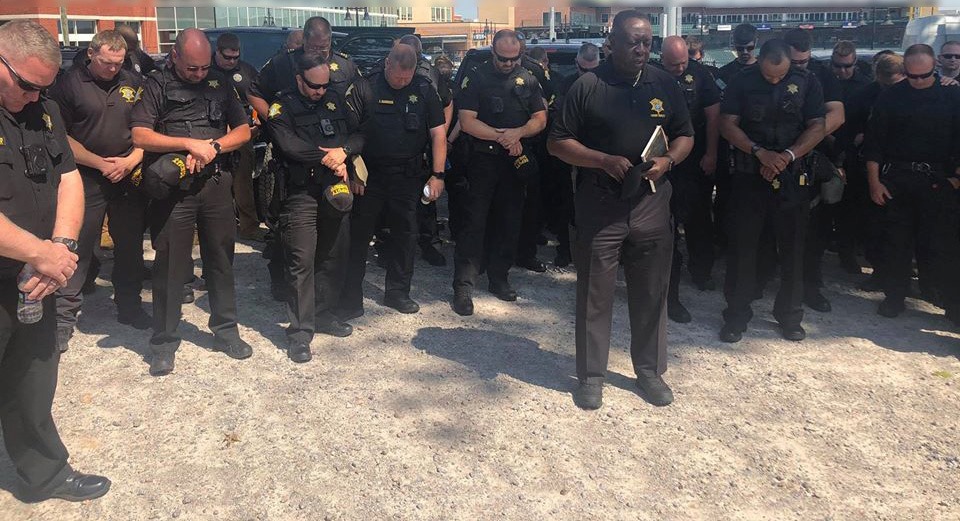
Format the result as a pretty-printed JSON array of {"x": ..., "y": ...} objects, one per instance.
[{"x": 466, "y": 8}]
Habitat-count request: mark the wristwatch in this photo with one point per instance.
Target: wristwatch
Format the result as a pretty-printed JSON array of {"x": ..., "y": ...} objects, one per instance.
[
  {"x": 439, "y": 175},
  {"x": 69, "y": 243},
  {"x": 216, "y": 146},
  {"x": 346, "y": 150},
  {"x": 754, "y": 149}
]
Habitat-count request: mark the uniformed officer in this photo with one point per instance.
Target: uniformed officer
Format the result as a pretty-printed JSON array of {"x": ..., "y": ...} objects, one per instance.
[
  {"x": 41, "y": 197},
  {"x": 278, "y": 75},
  {"x": 96, "y": 99},
  {"x": 744, "y": 42},
  {"x": 188, "y": 109},
  {"x": 911, "y": 147},
  {"x": 949, "y": 60},
  {"x": 314, "y": 132},
  {"x": 773, "y": 115},
  {"x": 405, "y": 114},
  {"x": 692, "y": 180},
  {"x": 821, "y": 216},
  {"x": 240, "y": 74},
  {"x": 607, "y": 118},
  {"x": 500, "y": 108}
]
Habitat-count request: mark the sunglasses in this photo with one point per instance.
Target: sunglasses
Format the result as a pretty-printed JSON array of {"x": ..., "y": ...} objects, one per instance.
[
  {"x": 505, "y": 59},
  {"x": 745, "y": 48},
  {"x": 229, "y": 58},
  {"x": 950, "y": 56},
  {"x": 315, "y": 86},
  {"x": 838, "y": 65},
  {"x": 22, "y": 83},
  {"x": 920, "y": 76}
]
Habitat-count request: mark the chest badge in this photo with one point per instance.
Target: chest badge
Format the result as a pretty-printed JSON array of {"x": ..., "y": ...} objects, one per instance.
[
  {"x": 465, "y": 82},
  {"x": 128, "y": 94},
  {"x": 48, "y": 121},
  {"x": 688, "y": 78},
  {"x": 2, "y": 141},
  {"x": 214, "y": 84},
  {"x": 656, "y": 108},
  {"x": 334, "y": 66},
  {"x": 331, "y": 106},
  {"x": 237, "y": 77},
  {"x": 275, "y": 110},
  {"x": 413, "y": 98},
  {"x": 520, "y": 81},
  {"x": 792, "y": 88}
]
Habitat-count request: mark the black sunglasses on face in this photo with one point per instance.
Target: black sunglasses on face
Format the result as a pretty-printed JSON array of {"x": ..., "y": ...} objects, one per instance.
[
  {"x": 800, "y": 63},
  {"x": 22, "y": 83},
  {"x": 838, "y": 65},
  {"x": 920, "y": 76},
  {"x": 950, "y": 56},
  {"x": 229, "y": 58},
  {"x": 745, "y": 48},
  {"x": 315, "y": 86},
  {"x": 505, "y": 59}
]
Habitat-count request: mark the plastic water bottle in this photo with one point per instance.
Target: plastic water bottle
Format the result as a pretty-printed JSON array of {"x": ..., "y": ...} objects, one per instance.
[
  {"x": 28, "y": 311},
  {"x": 425, "y": 199}
]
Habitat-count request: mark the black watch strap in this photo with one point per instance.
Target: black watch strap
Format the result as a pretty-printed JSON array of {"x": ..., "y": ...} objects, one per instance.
[
  {"x": 69, "y": 243},
  {"x": 439, "y": 175},
  {"x": 217, "y": 146}
]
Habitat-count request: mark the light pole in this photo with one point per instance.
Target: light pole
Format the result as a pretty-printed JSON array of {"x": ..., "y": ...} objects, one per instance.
[{"x": 366, "y": 15}]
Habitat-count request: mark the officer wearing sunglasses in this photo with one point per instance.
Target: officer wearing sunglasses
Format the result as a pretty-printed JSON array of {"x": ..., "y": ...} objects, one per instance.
[
  {"x": 912, "y": 146},
  {"x": 949, "y": 59}
]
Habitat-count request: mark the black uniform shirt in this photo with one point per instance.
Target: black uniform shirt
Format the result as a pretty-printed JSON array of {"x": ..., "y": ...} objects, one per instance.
[
  {"x": 911, "y": 124},
  {"x": 156, "y": 105},
  {"x": 850, "y": 91},
  {"x": 749, "y": 91},
  {"x": 97, "y": 113},
  {"x": 610, "y": 114},
  {"x": 389, "y": 136},
  {"x": 519, "y": 93},
  {"x": 829, "y": 84},
  {"x": 700, "y": 90},
  {"x": 859, "y": 106},
  {"x": 543, "y": 78},
  {"x": 730, "y": 71},
  {"x": 31, "y": 203},
  {"x": 241, "y": 77},
  {"x": 279, "y": 74}
]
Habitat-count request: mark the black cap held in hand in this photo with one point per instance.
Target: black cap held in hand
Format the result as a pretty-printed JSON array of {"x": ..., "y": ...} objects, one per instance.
[
  {"x": 339, "y": 198},
  {"x": 634, "y": 181},
  {"x": 526, "y": 166},
  {"x": 163, "y": 176}
]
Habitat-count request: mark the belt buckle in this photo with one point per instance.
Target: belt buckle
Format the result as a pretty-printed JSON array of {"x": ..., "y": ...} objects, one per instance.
[{"x": 923, "y": 168}]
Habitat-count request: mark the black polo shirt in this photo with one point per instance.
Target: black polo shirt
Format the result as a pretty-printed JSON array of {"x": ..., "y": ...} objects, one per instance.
[
  {"x": 543, "y": 77},
  {"x": 616, "y": 116},
  {"x": 730, "y": 71},
  {"x": 280, "y": 74},
  {"x": 241, "y": 77},
  {"x": 97, "y": 113},
  {"x": 829, "y": 83},
  {"x": 700, "y": 90},
  {"x": 31, "y": 203},
  {"x": 911, "y": 124},
  {"x": 519, "y": 91}
]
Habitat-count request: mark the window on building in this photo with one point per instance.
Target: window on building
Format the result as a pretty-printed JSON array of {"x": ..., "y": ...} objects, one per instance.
[
  {"x": 775, "y": 17},
  {"x": 166, "y": 19},
  {"x": 557, "y": 18},
  {"x": 206, "y": 18},
  {"x": 441, "y": 14},
  {"x": 405, "y": 14}
]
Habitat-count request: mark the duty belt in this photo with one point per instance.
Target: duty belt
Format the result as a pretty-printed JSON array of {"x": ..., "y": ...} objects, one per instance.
[{"x": 916, "y": 166}]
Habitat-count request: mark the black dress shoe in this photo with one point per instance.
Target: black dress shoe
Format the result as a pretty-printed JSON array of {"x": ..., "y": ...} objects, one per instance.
[
  {"x": 235, "y": 348},
  {"x": 503, "y": 292},
  {"x": 135, "y": 317},
  {"x": 654, "y": 390},
  {"x": 731, "y": 334},
  {"x": 890, "y": 308},
  {"x": 348, "y": 314},
  {"x": 188, "y": 296},
  {"x": 432, "y": 255},
  {"x": 81, "y": 487},
  {"x": 793, "y": 333},
  {"x": 405, "y": 305},
  {"x": 588, "y": 396},
  {"x": 533, "y": 264},
  {"x": 298, "y": 351},
  {"x": 677, "y": 312},
  {"x": 64, "y": 334},
  {"x": 161, "y": 364},
  {"x": 562, "y": 260},
  {"x": 462, "y": 304},
  {"x": 334, "y": 327},
  {"x": 817, "y": 302}
]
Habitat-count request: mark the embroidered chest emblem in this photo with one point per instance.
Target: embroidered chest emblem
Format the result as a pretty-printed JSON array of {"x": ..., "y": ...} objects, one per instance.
[
  {"x": 792, "y": 88},
  {"x": 334, "y": 67},
  {"x": 688, "y": 78},
  {"x": 331, "y": 106},
  {"x": 128, "y": 94},
  {"x": 413, "y": 98},
  {"x": 520, "y": 81},
  {"x": 214, "y": 84},
  {"x": 656, "y": 108}
]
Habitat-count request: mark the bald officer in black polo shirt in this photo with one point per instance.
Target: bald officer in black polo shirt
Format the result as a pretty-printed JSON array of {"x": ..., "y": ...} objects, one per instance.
[
  {"x": 41, "y": 208},
  {"x": 96, "y": 99},
  {"x": 606, "y": 120}
]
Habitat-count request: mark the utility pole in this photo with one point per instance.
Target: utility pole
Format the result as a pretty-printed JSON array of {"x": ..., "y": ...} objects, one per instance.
[{"x": 64, "y": 26}]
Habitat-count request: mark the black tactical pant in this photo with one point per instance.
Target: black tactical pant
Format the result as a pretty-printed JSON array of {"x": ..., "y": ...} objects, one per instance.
[
  {"x": 316, "y": 245},
  {"x": 639, "y": 234},
  {"x": 243, "y": 189},
  {"x": 392, "y": 191},
  {"x": 921, "y": 217},
  {"x": 127, "y": 209},
  {"x": 428, "y": 233},
  {"x": 495, "y": 194},
  {"x": 28, "y": 381},
  {"x": 557, "y": 188},
  {"x": 754, "y": 205},
  {"x": 819, "y": 226},
  {"x": 531, "y": 224},
  {"x": 208, "y": 207},
  {"x": 691, "y": 206}
]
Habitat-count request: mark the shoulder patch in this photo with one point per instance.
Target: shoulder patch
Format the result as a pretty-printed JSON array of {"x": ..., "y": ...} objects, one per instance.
[
  {"x": 275, "y": 110},
  {"x": 46, "y": 119}
]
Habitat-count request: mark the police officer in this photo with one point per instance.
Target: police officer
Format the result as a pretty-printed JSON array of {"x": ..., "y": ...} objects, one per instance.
[
  {"x": 405, "y": 114},
  {"x": 606, "y": 120},
  {"x": 314, "y": 132},
  {"x": 773, "y": 115},
  {"x": 500, "y": 108},
  {"x": 96, "y": 99},
  {"x": 692, "y": 180},
  {"x": 45, "y": 203},
  {"x": 911, "y": 148},
  {"x": 136, "y": 60},
  {"x": 744, "y": 42},
  {"x": 240, "y": 74},
  {"x": 186, "y": 108},
  {"x": 278, "y": 75}
]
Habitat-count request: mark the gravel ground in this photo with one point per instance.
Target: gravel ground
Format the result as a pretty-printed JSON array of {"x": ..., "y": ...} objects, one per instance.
[{"x": 437, "y": 416}]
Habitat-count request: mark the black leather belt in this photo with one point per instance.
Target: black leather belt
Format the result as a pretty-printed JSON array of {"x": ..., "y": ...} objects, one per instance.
[{"x": 916, "y": 166}]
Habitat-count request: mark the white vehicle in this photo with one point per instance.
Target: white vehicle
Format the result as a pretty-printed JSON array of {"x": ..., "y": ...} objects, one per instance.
[{"x": 932, "y": 30}]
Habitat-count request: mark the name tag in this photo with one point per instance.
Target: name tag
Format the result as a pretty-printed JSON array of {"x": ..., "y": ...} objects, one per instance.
[{"x": 386, "y": 102}]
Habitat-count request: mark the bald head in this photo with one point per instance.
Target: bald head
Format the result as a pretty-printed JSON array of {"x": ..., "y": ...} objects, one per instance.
[
  {"x": 191, "y": 55},
  {"x": 674, "y": 55},
  {"x": 294, "y": 39},
  {"x": 412, "y": 41}
]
